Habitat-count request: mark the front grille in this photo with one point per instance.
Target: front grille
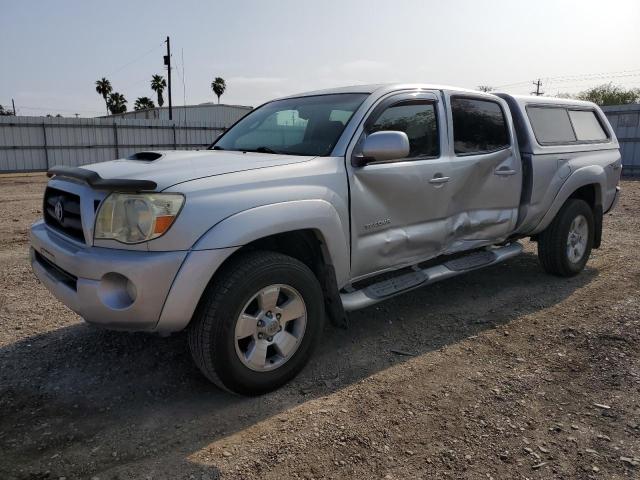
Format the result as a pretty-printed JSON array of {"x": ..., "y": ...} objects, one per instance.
[{"x": 62, "y": 212}]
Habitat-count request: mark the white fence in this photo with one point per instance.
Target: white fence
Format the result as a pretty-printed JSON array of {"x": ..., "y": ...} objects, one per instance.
[{"x": 30, "y": 144}]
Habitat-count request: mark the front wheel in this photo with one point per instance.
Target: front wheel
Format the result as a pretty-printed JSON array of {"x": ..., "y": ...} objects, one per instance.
[
  {"x": 564, "y": 247},
  {"x": 257, "y": 323}
]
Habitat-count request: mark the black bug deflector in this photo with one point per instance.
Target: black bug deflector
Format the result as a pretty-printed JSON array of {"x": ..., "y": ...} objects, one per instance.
[{"x": 96, "y": 181}]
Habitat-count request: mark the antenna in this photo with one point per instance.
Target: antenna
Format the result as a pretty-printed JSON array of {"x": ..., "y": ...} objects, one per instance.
[{"x": 184, "y": 89}]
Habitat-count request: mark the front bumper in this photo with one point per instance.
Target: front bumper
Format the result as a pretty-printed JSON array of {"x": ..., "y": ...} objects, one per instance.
[{"x": 117, "y": 289}]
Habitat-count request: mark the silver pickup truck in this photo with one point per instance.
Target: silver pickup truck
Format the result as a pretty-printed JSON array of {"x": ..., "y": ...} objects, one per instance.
[{"x": 318, "y": 204}]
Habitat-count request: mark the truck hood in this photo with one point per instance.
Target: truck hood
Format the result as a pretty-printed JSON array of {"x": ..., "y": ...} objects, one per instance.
[{"x": 174, "y": 167}]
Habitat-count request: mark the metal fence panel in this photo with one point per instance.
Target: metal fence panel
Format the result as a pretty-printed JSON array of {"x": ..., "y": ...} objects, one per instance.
[
  {"x": 625, "y": 120},
  {"x": 37, "y": 143}
]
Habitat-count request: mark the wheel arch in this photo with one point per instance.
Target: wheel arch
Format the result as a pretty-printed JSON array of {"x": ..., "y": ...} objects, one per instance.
[
  {"x": 308, "y": 246},
  {"x": 586, "y": 183},
  {"x": 316, "y": 218},
  {"x": 310, "y": 231}
]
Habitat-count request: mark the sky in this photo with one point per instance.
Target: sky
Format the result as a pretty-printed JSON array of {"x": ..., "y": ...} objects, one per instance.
[{"x": 53, "y": 51}]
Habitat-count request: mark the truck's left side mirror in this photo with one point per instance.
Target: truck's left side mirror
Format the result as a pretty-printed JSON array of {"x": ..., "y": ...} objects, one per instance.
[{"x": 382, "y": 146}]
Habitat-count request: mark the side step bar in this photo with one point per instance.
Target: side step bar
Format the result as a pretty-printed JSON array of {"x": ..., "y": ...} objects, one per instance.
[{"x": 391, "y": 287}]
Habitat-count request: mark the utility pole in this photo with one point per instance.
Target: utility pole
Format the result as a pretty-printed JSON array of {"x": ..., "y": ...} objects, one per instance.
[
  {"x": 167, "y": 62},
  {"x": 14, "y": 107},
  {"x": 537, "y": 92}
]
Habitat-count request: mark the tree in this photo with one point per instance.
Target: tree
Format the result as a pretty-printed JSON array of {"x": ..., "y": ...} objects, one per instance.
[
  {"x": 5, "y": 112},
  {"x": 485, "y": 88},
  {"x": 103, "y": 87},
  {"x": 610, "y": 94},
  {"x": 143, "y": 103},
  {"x": 158, "y": 84},
  {"x": 117, "y": 103},
  {"x": 218, "y": 86}
]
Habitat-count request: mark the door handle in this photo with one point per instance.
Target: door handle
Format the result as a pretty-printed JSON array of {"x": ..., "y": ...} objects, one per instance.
[
  {"x": 438, "y": 180},
  {"x": 505, "y": 171}
]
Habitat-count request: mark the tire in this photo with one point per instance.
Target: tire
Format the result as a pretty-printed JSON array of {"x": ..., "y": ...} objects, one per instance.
[
  {"x": 236, "y": 364},
  {"x": 553, "y": 244}
]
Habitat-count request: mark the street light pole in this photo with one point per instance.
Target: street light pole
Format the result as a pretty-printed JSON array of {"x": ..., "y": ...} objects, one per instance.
[{"x": 167, "y": 62}]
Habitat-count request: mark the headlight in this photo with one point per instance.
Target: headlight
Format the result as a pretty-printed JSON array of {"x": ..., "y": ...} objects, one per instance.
[{"x": 135, "y": 218}]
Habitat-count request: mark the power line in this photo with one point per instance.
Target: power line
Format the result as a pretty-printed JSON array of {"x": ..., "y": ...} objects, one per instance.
[
  {"x": 22, "y": 107},
  {"x": 135, "y": 60},
  {"x": 584, "y": 76},
  {"x": 589, "y": 76},
  {"x": 184, "y": 88}
]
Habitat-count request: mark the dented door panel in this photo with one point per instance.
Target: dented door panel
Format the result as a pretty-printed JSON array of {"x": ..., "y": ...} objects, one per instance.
[
  {"x": 398, "y": 217},
  {"x": 485, "y": 187},
  {"x": 485, "y": 195},
  {"x": 398, "y": 209}
]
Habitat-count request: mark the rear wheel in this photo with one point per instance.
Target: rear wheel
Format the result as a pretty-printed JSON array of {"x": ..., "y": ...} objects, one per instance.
[
  {"x": 257, "y": 323},
  {"x": 564, "y": 247}
]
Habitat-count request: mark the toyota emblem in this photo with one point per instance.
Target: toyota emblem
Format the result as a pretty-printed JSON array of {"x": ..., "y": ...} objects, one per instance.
[{"x": 59, "y": 211}]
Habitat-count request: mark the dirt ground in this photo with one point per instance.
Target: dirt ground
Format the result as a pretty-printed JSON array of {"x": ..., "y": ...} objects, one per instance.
[{"x": 512, "y": 374}]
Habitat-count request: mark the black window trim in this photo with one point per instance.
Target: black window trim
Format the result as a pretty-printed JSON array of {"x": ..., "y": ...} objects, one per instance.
[
  {"x": 453, "y": 133},
  {"x": 568, "y": 108},
  {"x": 393, "y": 102}
]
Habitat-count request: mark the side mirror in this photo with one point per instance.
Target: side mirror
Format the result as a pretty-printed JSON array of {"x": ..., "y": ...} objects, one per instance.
[{"x": 383, "y": 146}]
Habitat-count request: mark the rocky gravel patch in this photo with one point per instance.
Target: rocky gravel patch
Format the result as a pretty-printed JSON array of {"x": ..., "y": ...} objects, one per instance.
[{"x": 503, "y": 373}]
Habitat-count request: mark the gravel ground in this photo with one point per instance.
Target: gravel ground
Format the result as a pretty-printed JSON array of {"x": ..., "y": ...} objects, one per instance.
[{"x": 511, "y": 373}]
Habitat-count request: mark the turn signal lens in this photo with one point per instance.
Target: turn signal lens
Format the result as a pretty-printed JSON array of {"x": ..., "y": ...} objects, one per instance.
[{"x": 163, "y": 222}]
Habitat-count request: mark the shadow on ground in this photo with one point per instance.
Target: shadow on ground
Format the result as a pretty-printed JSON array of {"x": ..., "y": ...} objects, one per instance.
[{"x": 80, "y": 401}]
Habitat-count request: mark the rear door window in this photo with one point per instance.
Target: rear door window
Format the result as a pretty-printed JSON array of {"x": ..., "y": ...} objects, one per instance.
[
  {"x": 586, "y": 126},
  {"x": 551, "y": 125},
  {"x": 479, "y": 126}
]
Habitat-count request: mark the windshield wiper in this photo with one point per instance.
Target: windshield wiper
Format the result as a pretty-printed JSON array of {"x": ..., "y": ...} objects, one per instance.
[
  {"x": 216, "y": 147},
  {"x": 260, "y": 150}
]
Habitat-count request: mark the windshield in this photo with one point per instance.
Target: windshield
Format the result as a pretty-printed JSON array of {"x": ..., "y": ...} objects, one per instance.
[{"x": 293, "y": 126}]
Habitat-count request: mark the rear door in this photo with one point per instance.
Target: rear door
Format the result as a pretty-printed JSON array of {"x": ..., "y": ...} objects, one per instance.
[
  {"x": 398, "y": 207},
  {"x": 486, "y": 172}
]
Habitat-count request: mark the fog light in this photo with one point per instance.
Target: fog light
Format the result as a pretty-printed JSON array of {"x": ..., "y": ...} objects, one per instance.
[{"x": 116, "y": 291}]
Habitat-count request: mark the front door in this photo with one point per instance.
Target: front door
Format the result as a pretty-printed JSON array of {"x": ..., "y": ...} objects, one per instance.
[{"x": 398, "y": 207}]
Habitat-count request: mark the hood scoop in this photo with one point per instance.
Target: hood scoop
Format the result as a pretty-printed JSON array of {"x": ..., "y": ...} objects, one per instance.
[{"x": 145, "y": 156}]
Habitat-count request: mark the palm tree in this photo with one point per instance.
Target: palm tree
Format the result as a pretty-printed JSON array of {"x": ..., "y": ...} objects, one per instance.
[
  {"x": 117, "y": 103},
  {"x": 143, "y": 103},
  {"x": 103, "y": 87},
  {"x": 5, "y": 112},
  {"x": 158, "y": 84},
  {"x": 218, "y": 86}
]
